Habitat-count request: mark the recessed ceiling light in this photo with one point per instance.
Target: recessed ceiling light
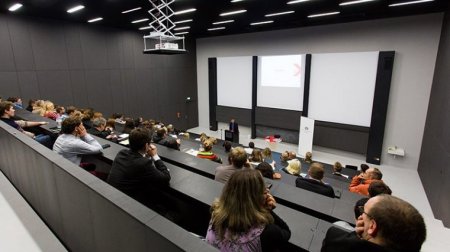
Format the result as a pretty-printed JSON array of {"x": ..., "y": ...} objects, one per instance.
[
  {"x": 183, "y": 21},
  {"x": 181, "y": 28},
  {"x": 217, "y": 28},
  {"x": 15, "y": 7},
  {"x": 95, "y": 20},
  {"x": 279, "y": 13},
  {"x": 324, "y": 14},
  {"x": 410, "y": 2},
  {"x": 232, "y": 12},
  {"x": 355, "y": 2},
  {"x": 297, "y": 1},
  {"x": 145, "y": 28},
  {"x": 263, "y": 22},
  {"x": 223, "y": 22},
  {"x": 181, "y": 33},
  {"x": 184, "y": 11},
  {"x": 139, "y": 20},
  {"x": 130, "y": 10},
  {"x": 76, "y": 8}
]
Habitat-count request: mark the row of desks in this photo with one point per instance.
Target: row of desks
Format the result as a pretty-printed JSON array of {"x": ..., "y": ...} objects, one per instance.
[{"x": 308, "y": 215}]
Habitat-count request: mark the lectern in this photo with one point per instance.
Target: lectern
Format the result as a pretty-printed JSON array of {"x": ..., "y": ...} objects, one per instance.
[{"x": 231, "y": 136}]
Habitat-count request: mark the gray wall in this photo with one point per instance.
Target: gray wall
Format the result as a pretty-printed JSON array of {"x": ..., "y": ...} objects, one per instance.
[
  {"x": 93, "y": 66},
  {"x": 435, "y": 156},
  {"x": 415, "y": 40}
]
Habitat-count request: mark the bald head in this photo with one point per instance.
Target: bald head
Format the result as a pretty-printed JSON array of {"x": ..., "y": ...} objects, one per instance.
[{"x": 394, "y": 223}]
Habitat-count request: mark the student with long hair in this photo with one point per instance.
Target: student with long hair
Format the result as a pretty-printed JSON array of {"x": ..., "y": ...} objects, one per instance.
[{"x": 242, "y": 218}]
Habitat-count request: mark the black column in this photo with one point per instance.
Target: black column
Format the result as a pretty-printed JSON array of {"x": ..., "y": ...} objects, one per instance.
[
  {"x": 380, "y": 106},
  {"x": 254, "y": 95},
  {"x": 212, "y": 74},
  {"x": 306, "y": 88}
]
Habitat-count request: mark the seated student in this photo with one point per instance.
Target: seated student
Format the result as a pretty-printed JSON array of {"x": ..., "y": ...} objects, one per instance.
[
  {"x": 267, "y": 157},
  {"x": 88, "y": 114},
  {"x": 75, "y": 141},
  {"x": 284, "y": 157},
  {"x": 31, "y": 104},
  {"x": 7, "y": 112},
  {"x": 294, "y": 167},
  {"x": 267, "y": 171},
  {"x": 314, "y": 181},
  {"x": 98, "y": 129},
  {"x": 227, "y": 146},
  {"x": 259, "y": 229},
  {"x": 61, "y": 111},
  {"x": 207, "y": 153},
  {"x": 360, "y": 183},
  {"x": 110, "y": 125},
  {"x": 375, "y": 188},
  {"x": 364, "y": 168},
  {"x": 237, "y": 159},
  {"x": 292, "y": 155},
  {"x": 308, "y": 157},
  {"x": 16, "y": 101},
  {"x": 173, "y": 143},
  {"x": 139, "y": 172},
  {"x": 50, "y": 110},
  {"x": 39, "y": 108},
  {"x": 256, "y": 157},
  {"x": 337, "y": 169},
  {"x": 129, "y": 126},
  {"x": 251, "y": 146},
  {"x": 388, "y": 224}
]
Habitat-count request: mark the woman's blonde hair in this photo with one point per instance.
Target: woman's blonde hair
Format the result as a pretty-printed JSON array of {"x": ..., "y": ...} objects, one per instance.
[{"x": 241, "y": 205}]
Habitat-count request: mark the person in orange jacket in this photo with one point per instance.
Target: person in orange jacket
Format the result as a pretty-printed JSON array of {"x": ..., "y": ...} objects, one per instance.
[{"x": 360, "y": 183}]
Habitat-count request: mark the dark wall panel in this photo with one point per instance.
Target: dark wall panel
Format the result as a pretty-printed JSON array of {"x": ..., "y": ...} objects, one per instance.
[
  {"x": 278, "y": 118},
  {"x": 342, "y": 138},
  {"x": 78, "y": 89},
  {"x": 49, "y": 47},
  {"x": 115, "y": 80},
  {"x": 242, "y": 116},
  {"x": 6, "y": 54},
  {"x": 435, "y": 153},
  {"x": 97, "y": 82},
  {"x": 8, "y": 84},
  {"x": 21, "y": 45},
  {"x": 127, "y": 59},
  {"x": 93, "y": 44},
  {"x": 55, "y": 86},
  {"x": 73, "y": 47},
  {"x": 28, "y": 83}
]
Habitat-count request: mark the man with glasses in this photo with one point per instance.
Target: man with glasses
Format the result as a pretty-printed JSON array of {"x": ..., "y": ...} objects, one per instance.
[{"x": 387, "y": 223}]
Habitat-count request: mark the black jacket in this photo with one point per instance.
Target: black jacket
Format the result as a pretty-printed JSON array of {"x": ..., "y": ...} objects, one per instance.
[{"x": 314, "y": 186}]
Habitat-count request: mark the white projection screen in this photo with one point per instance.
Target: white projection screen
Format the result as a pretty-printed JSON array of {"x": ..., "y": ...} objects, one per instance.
[
  {"x": 281, "y": 81},
  {"x": 234, "y": 82},
  {"x": 342, "y": 87}
]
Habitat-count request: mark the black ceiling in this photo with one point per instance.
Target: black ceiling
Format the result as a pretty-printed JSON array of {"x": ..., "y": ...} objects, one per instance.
[{"x": 208, "y": 12}]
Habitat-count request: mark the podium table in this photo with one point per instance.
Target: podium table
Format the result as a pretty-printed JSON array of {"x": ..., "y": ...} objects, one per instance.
[{"x": 231, "y": 136}]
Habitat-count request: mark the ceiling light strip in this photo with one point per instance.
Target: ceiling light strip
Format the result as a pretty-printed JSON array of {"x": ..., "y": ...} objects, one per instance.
[
  {"x": 279, "y": 13},
  {"x": 75, "y": 9},
  {"x": 355, "y": 2},
  {"x": 297, "y": 1},
  {"x": 15, "y": 7},
  {"x": 181, "y": 33},
  {"x": 324, "y": 14},
  {"x": 184, "y": 11},
  {"x": 131, "y": 10},
  {"x": 223, "y": 22},
  {"x": 410, "y": 2},
  {"x": 95, "y": 19},
  {"x": 145, "y": 28},
  {"x": 262, "y": 22},
  {"x": 183, "y": 21},
  {"x": 217, "y": 28},
  {"x": 182, "y": 28},
  {"x": 232, "y": 13},
  {"x": 139, "y": 20}
]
